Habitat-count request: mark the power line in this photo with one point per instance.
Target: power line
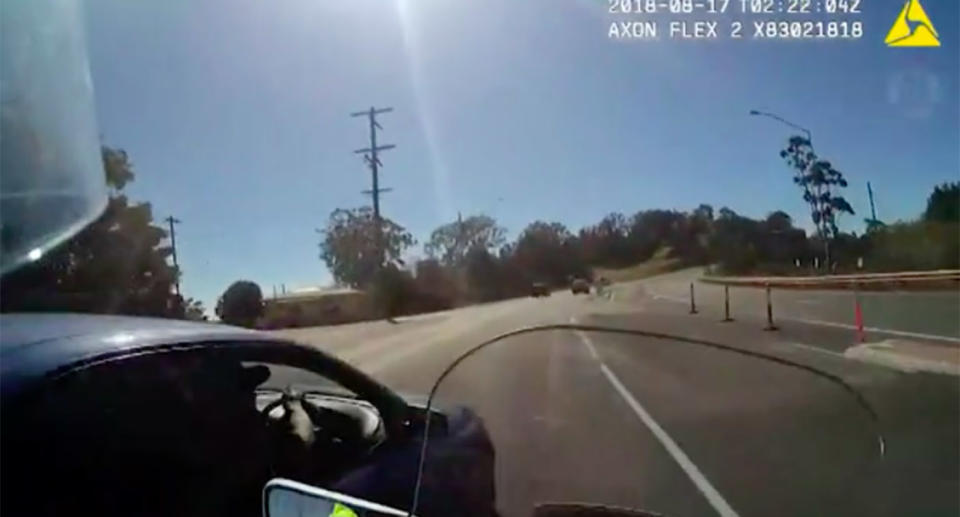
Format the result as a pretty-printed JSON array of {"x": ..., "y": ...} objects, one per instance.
[{"x": 371, "y": 157}]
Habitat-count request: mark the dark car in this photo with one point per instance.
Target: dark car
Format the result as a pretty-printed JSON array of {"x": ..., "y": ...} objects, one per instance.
[
  {"x": 114, "y": 415},
  {"x": 579, "y": 285},
  {"x": 539, "y": 289}
]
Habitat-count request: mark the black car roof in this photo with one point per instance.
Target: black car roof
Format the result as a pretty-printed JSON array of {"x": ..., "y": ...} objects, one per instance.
[{"x": 31, "y": 345}]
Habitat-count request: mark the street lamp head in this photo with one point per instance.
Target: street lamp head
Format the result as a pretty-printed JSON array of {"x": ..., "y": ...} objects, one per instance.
[{"x": 754, "y": 112}]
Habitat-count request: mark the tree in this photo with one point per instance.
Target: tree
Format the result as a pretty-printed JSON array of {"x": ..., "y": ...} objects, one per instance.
[
  {"x": 436, "y": 284},
  {"x": 349, "y": 245},
  {"x": 117, "y": 264},
  {"x": 731, "y": 244},
  {"x": 117, "y": 167},
  {"x": 241, "y": 304},
  {"x": 943, "y": 205},
  {"x": 650, "y": 230},
  {"x": 483, "y": 275},
  {"x": 606, "y": 243},
  {"x": 700, "y": 229},
  {"x": 817, "y": 179},
  {"x": 194, "y": 310},
  {"x": 778, "y": 222},
  {"x": 874, "y": 225},
  {"x": 778, "y": 241},
  {"x": 452, "y": 241},
  {"x": 703, "y": 213},
  {"x": 548, "y": 252},
  {"x": 394, "y": 291}
]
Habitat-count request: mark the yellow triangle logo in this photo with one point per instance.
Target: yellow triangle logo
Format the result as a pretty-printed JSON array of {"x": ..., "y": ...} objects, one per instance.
[
  {"x": 340, "y": 510},
  {"x": 912, "y": 28}
]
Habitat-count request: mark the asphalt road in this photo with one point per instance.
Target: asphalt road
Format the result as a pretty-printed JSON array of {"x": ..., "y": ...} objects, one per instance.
[{"x": 673, "y": 427}]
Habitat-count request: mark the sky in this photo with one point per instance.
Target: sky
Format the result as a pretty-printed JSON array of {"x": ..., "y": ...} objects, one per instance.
[{"x": 236, "y": 115}]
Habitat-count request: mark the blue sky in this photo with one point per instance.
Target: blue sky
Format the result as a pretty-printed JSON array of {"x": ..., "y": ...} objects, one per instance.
[{"x": 236, "y": 115}]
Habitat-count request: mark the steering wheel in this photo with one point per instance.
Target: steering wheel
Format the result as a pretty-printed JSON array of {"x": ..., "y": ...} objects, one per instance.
[{"x": 325, "y": 421}]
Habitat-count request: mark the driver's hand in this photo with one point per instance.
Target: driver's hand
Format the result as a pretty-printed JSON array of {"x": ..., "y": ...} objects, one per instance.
[
  {"x": 296, "y": 422},
  {"x": 293, "y": 440}
]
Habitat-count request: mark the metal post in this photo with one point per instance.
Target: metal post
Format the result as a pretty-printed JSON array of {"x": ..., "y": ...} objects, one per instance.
[
  {"x": 858, "y": 313},
  {"x": 726, "y": 304},
  {"x": 171, "y": 220},
  {"x": 693, "y": 303},
  {"x": 770, "y": 325}
]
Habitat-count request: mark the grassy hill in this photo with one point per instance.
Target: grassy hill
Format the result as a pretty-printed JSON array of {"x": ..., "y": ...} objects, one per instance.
[{"x": 659, "y": 263}]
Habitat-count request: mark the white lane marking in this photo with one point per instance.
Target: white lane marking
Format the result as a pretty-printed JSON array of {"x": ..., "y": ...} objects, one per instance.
[
  {"x": 713, "y": 496},
  {"x": 586, "y": 340},
  {"x": 818, "y": 349},
  {"x": 885, "y": 354},
  {"x": 668, "y": 298},
  {"x": 709, "y": 492},
  {"x": 590, "y": 347},
  {"x": 934, "y": 337}
]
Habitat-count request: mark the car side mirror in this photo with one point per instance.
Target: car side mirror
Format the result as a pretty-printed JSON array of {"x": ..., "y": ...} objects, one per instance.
[{"x": 286, "y": 498}]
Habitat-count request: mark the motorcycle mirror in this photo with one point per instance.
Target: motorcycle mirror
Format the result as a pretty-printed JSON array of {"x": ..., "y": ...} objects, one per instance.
[{"x": 286, "y": 498}]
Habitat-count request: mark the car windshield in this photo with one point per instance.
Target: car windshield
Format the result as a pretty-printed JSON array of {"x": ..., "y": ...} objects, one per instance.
[
  {"x": 393, "y": 181},
  {"x": 284, "y": 377}
]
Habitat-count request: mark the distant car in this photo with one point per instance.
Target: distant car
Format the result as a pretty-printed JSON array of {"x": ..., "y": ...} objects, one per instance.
[
  {"x": 579, "y": 285},
  {"x": 539, "y": 289}
]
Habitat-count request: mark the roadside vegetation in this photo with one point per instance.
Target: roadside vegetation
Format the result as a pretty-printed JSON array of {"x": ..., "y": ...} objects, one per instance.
[
  {"x": 469, "y": 260},
  {"x": 120, "y": 263}
]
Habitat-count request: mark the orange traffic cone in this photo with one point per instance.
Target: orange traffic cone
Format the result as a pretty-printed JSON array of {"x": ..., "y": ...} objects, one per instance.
[{"x": 858, "y": 317}]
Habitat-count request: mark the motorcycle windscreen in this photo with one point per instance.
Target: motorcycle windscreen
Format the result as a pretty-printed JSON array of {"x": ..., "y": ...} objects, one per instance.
[
  {"x": 633, "y": 421},
  {"x": 52, "y": 180}
]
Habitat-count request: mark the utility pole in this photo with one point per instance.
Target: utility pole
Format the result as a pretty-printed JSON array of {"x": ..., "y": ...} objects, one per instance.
[
  {"x": 171, "y": 221},
  {"x": 461, "y": 244},
  {"x": 873, "y": 208},
  {"x": 370, "y": 156}
]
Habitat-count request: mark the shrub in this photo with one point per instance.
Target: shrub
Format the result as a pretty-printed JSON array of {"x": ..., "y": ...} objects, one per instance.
[{"x": 241, "y": 304}]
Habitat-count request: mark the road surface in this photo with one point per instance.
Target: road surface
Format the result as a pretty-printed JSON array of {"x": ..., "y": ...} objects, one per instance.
[{"x": 673, "y": 427}]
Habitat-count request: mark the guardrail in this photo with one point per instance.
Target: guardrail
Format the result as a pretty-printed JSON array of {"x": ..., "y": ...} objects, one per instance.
[
  {"x": 949, "y": 279},
  {"x": 942, "y": 279}
]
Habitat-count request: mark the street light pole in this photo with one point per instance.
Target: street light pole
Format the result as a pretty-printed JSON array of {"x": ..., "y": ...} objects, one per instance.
[
  {"x": 798, "y": 127},
  {"x": 786, "y": 122}
]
